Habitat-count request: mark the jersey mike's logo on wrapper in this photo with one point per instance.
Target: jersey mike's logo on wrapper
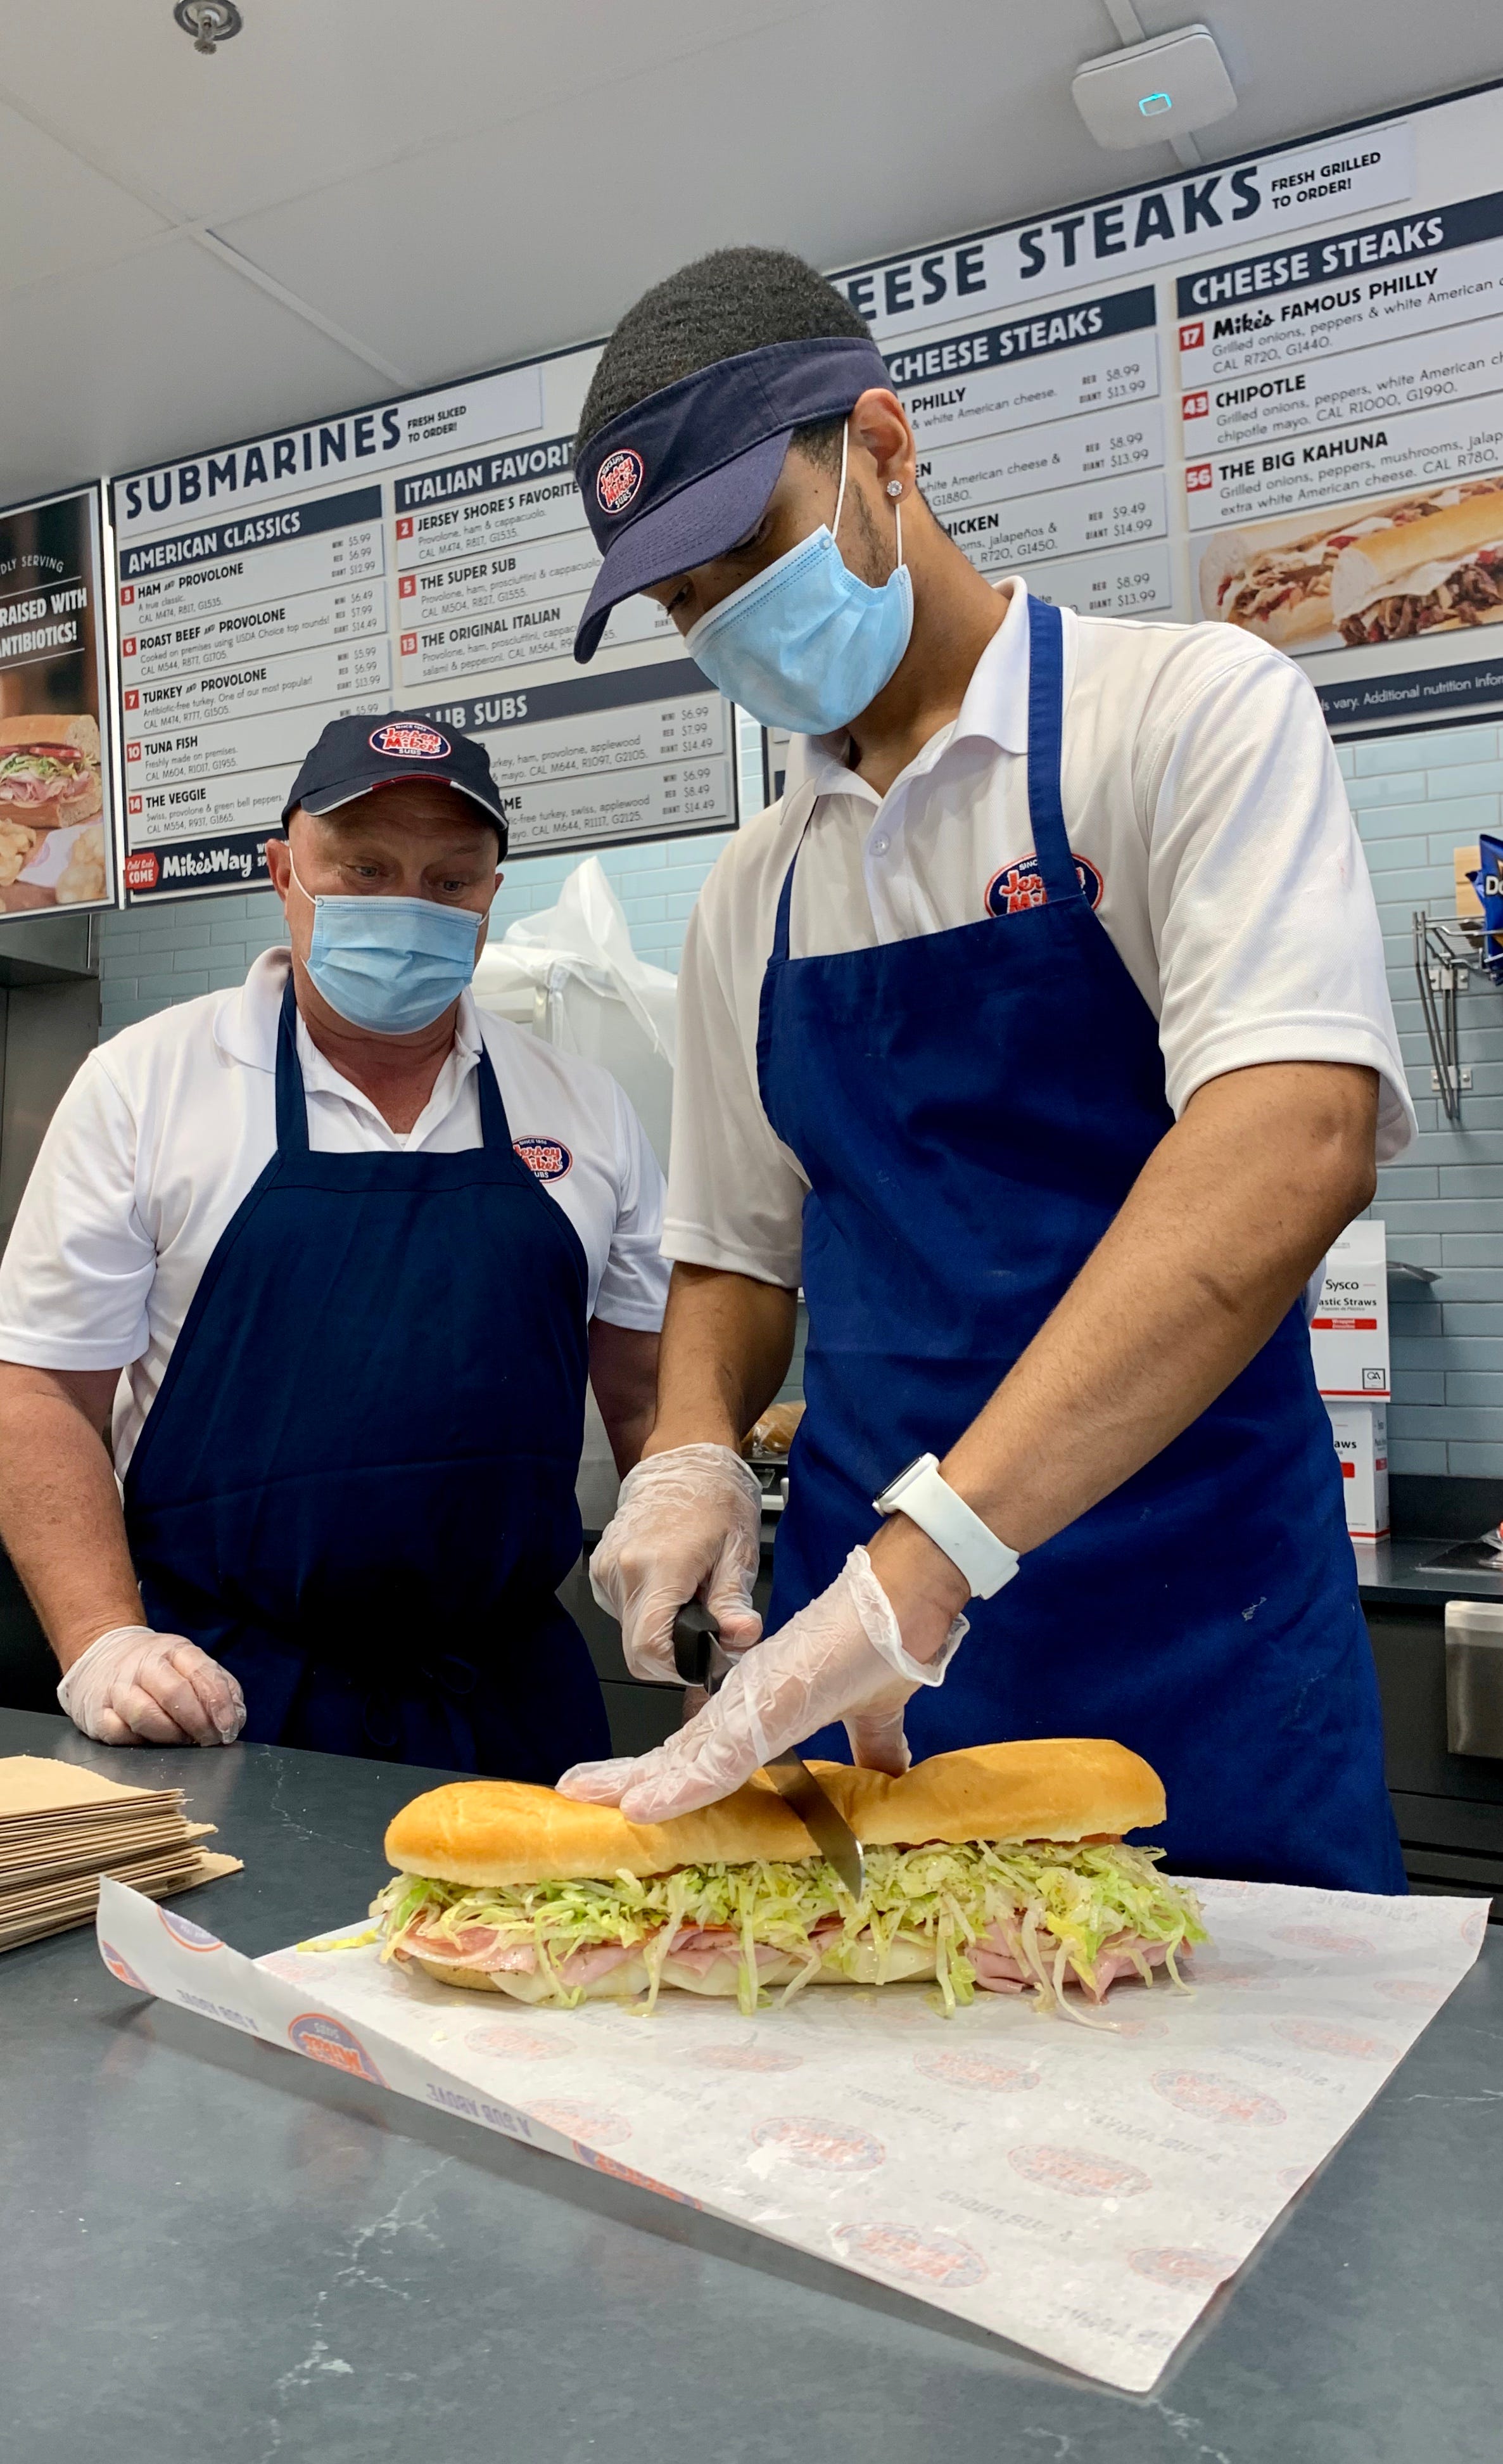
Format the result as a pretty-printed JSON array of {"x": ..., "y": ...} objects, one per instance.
[
  {"x": 402, "y": 742},
  {"x": 618, "y": 482},
  {"x": 120, "y": 1968},
  {"x": 1020, "y": 886},
  {"x": 820, "y": 2147},
  {"x": 546, "y": 1158},
  {"x": 183, "y": 1930},
  {"x": 328, "y": 2041},
  {"x": 913, "y": 2254}
]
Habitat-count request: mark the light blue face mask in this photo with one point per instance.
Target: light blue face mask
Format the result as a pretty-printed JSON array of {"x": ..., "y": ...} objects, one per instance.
[
  {"x": 391, "y": 965},
  {"x": 807, "y": 644}
]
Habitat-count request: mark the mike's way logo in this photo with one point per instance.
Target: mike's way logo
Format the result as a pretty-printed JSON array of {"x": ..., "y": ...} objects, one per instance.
[{"x": 1020, "y": 886}]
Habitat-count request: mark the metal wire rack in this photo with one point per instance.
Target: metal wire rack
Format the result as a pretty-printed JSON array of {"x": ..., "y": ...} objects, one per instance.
[{"x": 1448, "y": 951}]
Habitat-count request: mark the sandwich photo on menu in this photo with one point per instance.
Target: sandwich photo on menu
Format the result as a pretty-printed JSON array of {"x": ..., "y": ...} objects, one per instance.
[
  {"x": 999, "y": 1867},
  {"x": 1408, "y": 564},
  {"x": 52, "y": 798}
]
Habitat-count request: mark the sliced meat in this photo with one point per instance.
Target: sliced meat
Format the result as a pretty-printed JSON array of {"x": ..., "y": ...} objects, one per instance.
[
  {"x": 999, "y": 1971},
  {"x": 472, "y": 1946}
]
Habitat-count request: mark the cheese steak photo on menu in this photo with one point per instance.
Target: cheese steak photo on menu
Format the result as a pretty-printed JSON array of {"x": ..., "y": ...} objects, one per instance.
[
  {"x": 1002, "y": 1867},
  {"x": 1379, "y": 571}
]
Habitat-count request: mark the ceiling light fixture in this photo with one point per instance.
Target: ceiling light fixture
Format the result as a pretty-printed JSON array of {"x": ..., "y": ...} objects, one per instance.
[{"x": 209, "y": 22}]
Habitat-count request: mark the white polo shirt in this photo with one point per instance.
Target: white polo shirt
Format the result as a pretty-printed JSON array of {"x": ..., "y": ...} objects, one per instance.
[
  {"x": 1210, "y": 824},
  {"x": 167, "y": 1127}
]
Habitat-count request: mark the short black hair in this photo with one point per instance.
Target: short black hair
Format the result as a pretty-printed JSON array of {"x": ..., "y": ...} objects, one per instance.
[{"x": 736, "y": 299}]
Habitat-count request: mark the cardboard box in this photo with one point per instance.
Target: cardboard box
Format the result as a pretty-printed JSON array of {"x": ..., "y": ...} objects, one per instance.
[
  {"x": 1361, "y": 1432},
  {"x": 1349, "y": 1330}
]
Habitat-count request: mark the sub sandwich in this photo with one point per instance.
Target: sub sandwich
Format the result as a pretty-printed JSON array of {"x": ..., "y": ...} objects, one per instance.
[
  {"x": 1279, "y": 581},
  {"x": 1002, "y": 1867},
  {"x": 49, "y": 770},
  {"x": 1445, "y": 569}
]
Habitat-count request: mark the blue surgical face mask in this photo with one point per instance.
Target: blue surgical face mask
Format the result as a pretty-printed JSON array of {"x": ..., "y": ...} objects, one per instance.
[
  {"x": 391, "y": 965},
  {"x": 807, "y": 644}
]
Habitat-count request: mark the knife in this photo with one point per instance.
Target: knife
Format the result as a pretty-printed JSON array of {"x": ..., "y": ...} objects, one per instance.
[{"x": 700, "y": 1661}]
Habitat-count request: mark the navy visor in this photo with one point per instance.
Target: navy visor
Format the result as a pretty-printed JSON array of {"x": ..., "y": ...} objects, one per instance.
[{"x": 685, "y": 475}]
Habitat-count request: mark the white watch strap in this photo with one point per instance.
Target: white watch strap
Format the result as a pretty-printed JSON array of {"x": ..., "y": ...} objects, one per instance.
[{"x": 926, "y": 1498}]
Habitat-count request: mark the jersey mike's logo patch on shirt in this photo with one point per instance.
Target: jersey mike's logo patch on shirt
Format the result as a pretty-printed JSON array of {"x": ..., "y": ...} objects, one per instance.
[
  {"x": 1020, "y": 886},
  {"x": 618, "y": 482},
  {"x": 405, "y": 742},
  {"x": 548, "y": 1158}
]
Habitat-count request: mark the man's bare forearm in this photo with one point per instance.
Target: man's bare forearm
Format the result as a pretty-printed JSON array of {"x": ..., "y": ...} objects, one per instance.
[
  {"x": 60, "y": 1514},
  {"x": 1224, "y": 1226},
  {"x": 623, "y": 1372},
  {"x": 727, "y": 1343}
]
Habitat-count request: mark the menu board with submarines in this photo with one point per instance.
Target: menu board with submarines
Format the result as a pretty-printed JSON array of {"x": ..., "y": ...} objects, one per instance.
[
  {"x": 429, "y": 555},
  {"x": 1268, "y": 393},
  {"x": 56, "y": 841}
]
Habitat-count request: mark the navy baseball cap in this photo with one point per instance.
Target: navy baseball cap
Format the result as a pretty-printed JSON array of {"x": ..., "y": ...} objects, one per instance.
[
  {"x": 682, "y": 475},
  {"x": 355, "y": 755}
]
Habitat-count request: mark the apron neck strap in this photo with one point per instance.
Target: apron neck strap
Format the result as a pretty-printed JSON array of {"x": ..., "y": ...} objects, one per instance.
[
  {"x": 1045, "y": 736},
  {"x": 495, "y": 1132},
  {"x": 291, "y": 1104}
]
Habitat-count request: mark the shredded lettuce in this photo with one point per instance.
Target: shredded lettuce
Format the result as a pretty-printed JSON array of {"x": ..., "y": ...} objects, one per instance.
[{"x": 1055, "y": 1903}]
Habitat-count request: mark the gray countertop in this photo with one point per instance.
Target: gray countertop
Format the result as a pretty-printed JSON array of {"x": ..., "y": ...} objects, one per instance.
[
  {"x": 1403, "y": 1573},
  {"x": 213, "y": 2249}
]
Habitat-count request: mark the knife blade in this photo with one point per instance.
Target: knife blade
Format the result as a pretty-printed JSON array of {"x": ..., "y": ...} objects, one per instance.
[{"x": 700, "y": 1661}]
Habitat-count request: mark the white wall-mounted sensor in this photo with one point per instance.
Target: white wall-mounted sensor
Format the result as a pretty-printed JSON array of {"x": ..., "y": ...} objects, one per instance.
[{"x": 1150, "y": 93}]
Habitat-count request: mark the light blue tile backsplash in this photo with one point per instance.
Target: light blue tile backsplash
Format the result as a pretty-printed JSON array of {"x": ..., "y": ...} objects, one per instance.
[{"x": 1415, "y": 797}]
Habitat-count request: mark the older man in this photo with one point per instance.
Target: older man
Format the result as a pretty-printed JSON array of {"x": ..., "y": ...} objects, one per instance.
[{"x": 356, "y": 1251}]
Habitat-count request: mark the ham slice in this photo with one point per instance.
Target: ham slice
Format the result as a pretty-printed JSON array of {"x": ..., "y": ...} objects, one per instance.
[
  {"x": 472, "y": 1946},
  {"x": 697, "y": 1947},
  {"x": 998, "y": 1972},
  {"x": 596, "y": 1959}
]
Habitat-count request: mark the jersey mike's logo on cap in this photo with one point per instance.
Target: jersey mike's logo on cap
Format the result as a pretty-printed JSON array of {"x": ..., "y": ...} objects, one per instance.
[
  {"x": 400, "y": 740},
  {"x": 1019, "y": 886},
  {"x": 618, "y": 482}
]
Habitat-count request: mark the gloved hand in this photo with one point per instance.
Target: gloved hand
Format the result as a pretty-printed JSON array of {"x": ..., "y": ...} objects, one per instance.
[
  {"x": 839, "y": 1659},
  {"x": 136, "y": 1687},
  {"x": 688, "y": 1525}
]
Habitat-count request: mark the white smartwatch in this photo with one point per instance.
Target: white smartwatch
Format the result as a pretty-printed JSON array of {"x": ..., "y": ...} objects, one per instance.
[{"x": 926, "y": 1498}]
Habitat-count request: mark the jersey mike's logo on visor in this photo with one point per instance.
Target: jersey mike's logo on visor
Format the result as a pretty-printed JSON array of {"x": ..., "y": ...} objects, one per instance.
[
  {"x": 548, "y": 1158},
  {"x": 618, "y": 482},
  {"x": 402, "y": 742},
  {"x": 1019, "y": 886}
]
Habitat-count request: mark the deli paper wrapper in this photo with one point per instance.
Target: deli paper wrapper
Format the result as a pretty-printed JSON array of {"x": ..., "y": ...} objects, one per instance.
[{"x": 1082, "y": 2191}]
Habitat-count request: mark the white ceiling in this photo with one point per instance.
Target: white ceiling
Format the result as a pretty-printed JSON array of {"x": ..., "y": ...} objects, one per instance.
[{"x": 357, "y": 196}]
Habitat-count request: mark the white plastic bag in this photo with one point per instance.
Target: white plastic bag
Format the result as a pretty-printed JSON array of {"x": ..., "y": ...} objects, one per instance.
[{"x": 572, "y": 976}]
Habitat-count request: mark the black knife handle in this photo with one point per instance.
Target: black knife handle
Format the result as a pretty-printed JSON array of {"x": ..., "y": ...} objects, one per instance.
[{"x": 696, "y": 1634}]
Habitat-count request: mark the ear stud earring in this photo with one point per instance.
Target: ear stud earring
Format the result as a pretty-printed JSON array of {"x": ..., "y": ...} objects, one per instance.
[{"x": 895, "y": 486}]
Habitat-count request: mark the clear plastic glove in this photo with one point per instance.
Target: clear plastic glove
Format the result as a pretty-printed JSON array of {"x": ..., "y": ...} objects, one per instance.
[
  {"x": 839, "y": 1659},
  {"x": 136, "y": 1687},
  {"x": 688, "y": 1525}
]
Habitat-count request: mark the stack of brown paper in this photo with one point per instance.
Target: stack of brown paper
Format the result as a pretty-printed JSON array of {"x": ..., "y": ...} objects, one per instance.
[{"x": 63, "y": 1827}]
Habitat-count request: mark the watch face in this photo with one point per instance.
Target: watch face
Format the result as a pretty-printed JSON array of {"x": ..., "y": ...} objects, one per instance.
[{"x": 919, "y": 1463}]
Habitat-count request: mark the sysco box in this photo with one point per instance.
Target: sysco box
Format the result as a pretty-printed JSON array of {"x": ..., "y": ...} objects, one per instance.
[
  {"x": 1349, "y": 1330},
  {"x": 1361, "y": 1432}
]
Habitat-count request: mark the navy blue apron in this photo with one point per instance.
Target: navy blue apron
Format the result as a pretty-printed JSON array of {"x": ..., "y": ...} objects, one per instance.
[
  {"x": 356, "y": 1485},
  {"x": 970, "y": 1110}
]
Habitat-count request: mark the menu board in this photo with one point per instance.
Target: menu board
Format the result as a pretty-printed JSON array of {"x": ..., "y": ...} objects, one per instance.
[
  {"x": 56, "y": 831},
  {"x": 429, "y": 555},
  {"x": 1268, "y": 393}
]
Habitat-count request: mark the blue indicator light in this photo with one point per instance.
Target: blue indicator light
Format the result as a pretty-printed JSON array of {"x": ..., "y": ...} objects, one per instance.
[{"x": 1152, "y": 104}]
